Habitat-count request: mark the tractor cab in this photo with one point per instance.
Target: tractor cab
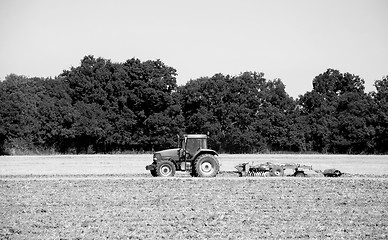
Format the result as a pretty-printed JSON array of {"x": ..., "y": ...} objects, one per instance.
[{"x": 191, "y": 144}]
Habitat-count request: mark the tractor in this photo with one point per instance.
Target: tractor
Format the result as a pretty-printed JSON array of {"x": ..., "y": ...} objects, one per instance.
[{"x": 192, "y": 155}]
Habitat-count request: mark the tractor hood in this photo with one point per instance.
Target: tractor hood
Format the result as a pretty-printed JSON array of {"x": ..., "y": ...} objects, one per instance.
[{"x": 167, "y": 154}]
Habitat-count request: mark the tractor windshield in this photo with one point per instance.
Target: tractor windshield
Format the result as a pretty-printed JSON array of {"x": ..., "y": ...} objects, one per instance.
[{"x": 194, "y": 144}]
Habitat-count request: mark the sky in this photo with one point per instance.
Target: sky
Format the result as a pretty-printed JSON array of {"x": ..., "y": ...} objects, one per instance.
[{"x": 291, "y": 40}]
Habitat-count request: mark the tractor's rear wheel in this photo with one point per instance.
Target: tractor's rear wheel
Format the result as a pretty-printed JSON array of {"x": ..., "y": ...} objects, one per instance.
[
  {"x": 165, "y": 168},
  {"x": 277, "y": 171},
  {"x": 206, "y": 166}
]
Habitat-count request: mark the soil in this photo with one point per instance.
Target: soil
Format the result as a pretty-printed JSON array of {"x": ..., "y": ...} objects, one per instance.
[{"x": 226, "y": 207}]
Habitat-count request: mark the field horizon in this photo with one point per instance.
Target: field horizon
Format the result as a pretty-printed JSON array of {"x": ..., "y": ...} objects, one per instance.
[{"x": 98, "y": 164}]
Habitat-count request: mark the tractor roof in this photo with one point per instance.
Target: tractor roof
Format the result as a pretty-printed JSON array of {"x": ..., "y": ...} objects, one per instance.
[{"x": 195, "y": 135}]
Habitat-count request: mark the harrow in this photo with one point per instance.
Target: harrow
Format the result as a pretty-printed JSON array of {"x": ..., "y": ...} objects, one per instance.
[{"x": 271, "y": 169}]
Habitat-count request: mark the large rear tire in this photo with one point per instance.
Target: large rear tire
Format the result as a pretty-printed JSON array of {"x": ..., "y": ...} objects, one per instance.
[
  {"x": 206, "y": 166},
  {"x": 165, "y": 168}
]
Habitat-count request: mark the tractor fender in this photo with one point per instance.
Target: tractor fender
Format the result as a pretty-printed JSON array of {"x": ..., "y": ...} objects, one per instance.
[{"x": 204, "y": 151}]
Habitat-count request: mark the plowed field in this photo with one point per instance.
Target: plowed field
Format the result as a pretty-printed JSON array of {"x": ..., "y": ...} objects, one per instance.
[
  {"x": 186, "y": 208},
  {"x": 137, "y": 206}
]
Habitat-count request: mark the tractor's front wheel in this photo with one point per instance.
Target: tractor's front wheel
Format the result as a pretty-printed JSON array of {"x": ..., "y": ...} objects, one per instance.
[
  {"x": 206, "y": 166},
  {"x": 154, "y": 173},
  {"x": 165, "y": 169}
]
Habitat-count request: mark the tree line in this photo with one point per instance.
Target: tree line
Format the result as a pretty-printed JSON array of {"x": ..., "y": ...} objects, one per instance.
[{"x": 106, "y": 107}]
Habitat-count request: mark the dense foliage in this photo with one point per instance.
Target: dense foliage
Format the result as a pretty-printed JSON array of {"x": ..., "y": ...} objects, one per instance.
[{"x": 108, "y": 107}]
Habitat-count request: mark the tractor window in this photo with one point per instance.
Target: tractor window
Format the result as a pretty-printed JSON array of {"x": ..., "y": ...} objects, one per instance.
[{"x": 193, "y": 145}]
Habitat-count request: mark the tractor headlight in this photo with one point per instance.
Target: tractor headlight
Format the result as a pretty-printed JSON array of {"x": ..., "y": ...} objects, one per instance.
[{"x": 157, "y": 157}]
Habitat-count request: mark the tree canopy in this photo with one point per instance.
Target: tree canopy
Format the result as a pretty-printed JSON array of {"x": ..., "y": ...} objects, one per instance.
[{"x": 105, "y": 107}]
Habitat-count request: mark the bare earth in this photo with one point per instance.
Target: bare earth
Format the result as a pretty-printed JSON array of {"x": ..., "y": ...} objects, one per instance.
[{"x": 113, "y": 197}]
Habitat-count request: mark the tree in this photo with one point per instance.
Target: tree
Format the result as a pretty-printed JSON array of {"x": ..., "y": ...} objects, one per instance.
[
  {"x": 152, "y": 97},
  {"x": 338, "y": 113},
  {"x": 235, "y": 111},
  {"x": 381, "y": 121},
  {"x": 118, "y": 104},
  {"x": 19, "y": 112}
]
